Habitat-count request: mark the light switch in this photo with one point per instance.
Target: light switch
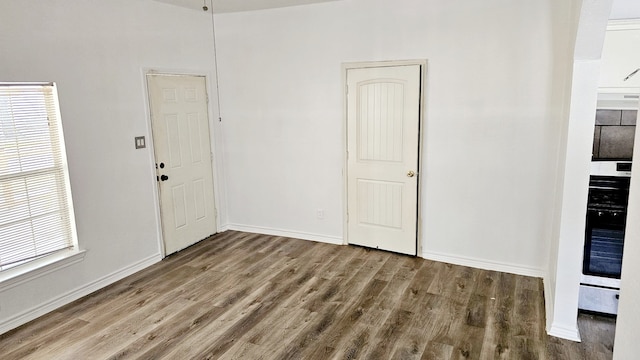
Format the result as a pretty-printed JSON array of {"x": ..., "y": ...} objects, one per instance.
[{"x": 140, "y": 142}]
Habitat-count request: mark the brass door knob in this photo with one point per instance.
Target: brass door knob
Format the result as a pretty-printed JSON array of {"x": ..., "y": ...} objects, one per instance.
[{"x": 411, "y": 173}]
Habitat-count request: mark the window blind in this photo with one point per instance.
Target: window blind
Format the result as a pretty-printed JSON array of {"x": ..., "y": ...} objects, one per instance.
[{"x": 34, "y": 201}]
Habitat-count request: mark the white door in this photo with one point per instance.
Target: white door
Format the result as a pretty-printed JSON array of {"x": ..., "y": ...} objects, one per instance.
[
  {"x": 180, "y": 125},
  {"x": 383, "y": 120}
]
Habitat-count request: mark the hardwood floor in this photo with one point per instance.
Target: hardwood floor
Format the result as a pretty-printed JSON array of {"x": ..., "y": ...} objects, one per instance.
[{"x": 247, "y": 296}]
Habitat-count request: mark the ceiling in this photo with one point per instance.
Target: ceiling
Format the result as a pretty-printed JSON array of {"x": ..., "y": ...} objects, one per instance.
[
  {"x": 625, "y": 9},
  {"x": 621, "y": 9},
  {"x": 223, "y": 6}
]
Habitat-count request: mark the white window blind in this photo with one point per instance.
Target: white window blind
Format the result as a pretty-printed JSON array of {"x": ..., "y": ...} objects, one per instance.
[{"x": 34, "y": 193}]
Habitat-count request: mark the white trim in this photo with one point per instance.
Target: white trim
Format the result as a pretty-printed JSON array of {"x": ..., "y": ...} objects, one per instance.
[
  {"x": 375, "y": 64},
  {"x": 422, "y": 134},
  {"x": 484, "y": 264},
  {"x": 345, "y": 160},
  {"x": 223, "y": 228},
  {"x": 152, "y": 159},
  {"x": 336, "y": 240},
  {"x": 620, "y": 90},
  {"x": 548, "y": 302},
  {"x": 422, "y": 63},
  {"x": 77, "y": 293},
  {"x": 67, "y": 179},
  {"x": 624, "y": 24},
  {"x": 566, "y": 333},
  {"x": 37, "y": 268}
]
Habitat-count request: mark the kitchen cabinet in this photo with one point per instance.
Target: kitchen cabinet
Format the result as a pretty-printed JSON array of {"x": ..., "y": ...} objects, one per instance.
[{"x": 620, "y": 57}]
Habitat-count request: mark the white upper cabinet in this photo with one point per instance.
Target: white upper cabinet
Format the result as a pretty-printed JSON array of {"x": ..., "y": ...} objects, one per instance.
[{"x": 621, "y": 57}]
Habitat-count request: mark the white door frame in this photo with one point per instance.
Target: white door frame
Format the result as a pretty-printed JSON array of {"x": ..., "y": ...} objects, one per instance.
[
  {"x": 373, "y": 64},
  {"x": 211, "y": 107}
]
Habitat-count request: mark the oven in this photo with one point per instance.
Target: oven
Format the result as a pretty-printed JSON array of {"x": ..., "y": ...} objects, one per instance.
[
  {"x": 604, "y": 238},
  {"x": 606, "y": 220}
]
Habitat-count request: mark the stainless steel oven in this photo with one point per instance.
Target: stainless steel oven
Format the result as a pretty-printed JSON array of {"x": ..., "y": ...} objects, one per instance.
[{"x": 604, "y": 236}]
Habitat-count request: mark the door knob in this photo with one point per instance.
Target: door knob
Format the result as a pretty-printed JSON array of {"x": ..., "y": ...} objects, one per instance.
[
  {"x": 164, "y": 178},
  {"x": 411, "y": 173}
]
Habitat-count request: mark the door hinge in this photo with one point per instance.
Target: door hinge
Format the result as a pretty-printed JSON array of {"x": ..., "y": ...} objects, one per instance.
[
  {"x": 215, "y": 213},
  {"x": 347, "y": 217}
]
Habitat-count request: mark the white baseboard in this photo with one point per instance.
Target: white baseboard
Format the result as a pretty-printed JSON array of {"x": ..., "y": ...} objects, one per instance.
[
  {"x": 484, "y": 264},
  {"x": 223, "y": 228},
  {"x": 553, "y": 328},
  {"x": 75, "y": 294},
  {"x": 548, "y": 302},
  {"x": 567, "y": 333},
  {"x": 336, "y": 240}
]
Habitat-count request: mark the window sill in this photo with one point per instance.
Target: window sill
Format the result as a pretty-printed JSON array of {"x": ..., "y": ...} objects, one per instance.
[{"x": 37, "y": 268}]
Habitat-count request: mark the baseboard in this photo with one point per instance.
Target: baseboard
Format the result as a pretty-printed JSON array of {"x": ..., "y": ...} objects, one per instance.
[
  {"x": 75, "y": 294},
  {"x": 562, "y": 332},
  {"x": 553, "y": 328},
  {"x": 548, "y": 302},
  {"x": 484, "y": 264},
  {"x": 336, "y": 240},
  {"x": 223, "y": 228}
]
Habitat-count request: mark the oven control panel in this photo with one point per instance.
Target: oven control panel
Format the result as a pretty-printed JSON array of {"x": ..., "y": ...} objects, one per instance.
[{"x": 611, "y": 168}]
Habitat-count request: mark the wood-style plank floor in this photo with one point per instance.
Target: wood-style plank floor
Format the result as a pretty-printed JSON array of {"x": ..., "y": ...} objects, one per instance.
[{"x": 246, "y": 296}]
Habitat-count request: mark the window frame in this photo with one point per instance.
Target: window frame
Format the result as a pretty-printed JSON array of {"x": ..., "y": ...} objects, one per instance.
[{"x": 41, "y": 265}]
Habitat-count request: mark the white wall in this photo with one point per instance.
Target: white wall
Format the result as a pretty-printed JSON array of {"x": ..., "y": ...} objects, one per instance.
[
  {"x": 626, "y": 344},
  {"x": 490, "y": 138},
  {"x": 567, "y": 249},
  {"x": 493, "y": 121},
  {"x": 565, "y": 23},
  {"x": 569, "y": 245},
  {"x": 96, "y": 51}
]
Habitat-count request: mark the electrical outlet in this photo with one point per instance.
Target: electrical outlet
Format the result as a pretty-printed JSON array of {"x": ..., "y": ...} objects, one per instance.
[{"x": 320, "y": 214}]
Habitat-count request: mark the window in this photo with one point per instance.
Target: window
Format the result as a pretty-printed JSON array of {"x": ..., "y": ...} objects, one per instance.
[{"x": 35, "y": 211}]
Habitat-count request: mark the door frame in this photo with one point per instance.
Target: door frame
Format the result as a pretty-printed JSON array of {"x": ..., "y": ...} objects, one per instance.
[
  {"x": 211, "y": 113},
  {"x": 422, "y": 63}
]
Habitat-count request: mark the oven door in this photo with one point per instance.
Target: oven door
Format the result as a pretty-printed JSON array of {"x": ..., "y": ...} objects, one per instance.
[{"x": 604, "y": 243}]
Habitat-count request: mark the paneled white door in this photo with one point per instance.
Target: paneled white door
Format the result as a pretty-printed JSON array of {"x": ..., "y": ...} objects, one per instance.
[
  {"x": 383, "y": 124},
  {"x": 182, "y": 147}
]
